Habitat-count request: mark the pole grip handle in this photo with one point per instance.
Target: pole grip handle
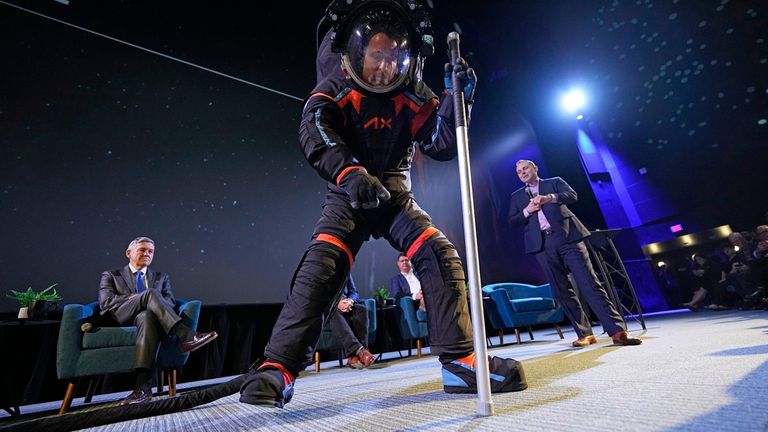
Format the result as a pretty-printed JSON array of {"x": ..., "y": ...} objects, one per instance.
[{"x": 459, "y": 110}]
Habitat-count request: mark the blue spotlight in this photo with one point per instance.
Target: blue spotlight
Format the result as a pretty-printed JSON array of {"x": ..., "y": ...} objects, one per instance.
[{"x": 574, "y": 101}]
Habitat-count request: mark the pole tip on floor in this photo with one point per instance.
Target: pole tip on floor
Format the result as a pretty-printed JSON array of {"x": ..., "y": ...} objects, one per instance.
[{"x": 485, "y": 408}]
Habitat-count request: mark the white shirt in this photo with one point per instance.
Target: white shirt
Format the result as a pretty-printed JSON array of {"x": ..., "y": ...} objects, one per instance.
[
  {"x": 413, "y": 283},
  {"x": 533, "y": 189}
]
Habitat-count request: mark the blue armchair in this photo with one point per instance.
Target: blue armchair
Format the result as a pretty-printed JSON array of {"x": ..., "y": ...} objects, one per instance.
[
  {"x": 514, "y": 305},
  {"x": 412, "y": 323},
  {"x": 103, "y": 350},
  {"x": 328, "y": 342}
]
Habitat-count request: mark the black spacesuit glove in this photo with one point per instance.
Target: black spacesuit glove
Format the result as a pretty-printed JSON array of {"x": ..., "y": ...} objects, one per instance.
[{"x": 364, "y": 190}]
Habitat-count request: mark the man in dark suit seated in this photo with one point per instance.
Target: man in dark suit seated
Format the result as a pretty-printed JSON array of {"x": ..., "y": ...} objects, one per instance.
[
  {"x": 349, "y": 324},
  {"x": 137, "y": 296},
  {"x": 555, "y": 236},
  {"x": 405, "y": 283}
]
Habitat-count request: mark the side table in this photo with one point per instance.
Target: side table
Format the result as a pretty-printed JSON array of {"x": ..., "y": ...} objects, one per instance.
[
  {"x": 385, "y": 319},
  {"x": 29, "y": 356}
]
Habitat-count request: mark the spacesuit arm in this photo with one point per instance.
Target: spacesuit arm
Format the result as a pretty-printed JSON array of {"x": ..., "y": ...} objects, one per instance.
[
  {"x": 437, "y": 136},
  {"x": 440, "y": 143},
  {"x": 320, "y": 141}
]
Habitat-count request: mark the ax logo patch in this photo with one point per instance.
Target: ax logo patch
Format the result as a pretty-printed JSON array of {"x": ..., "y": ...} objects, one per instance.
[{"x": 378, "y": 123}]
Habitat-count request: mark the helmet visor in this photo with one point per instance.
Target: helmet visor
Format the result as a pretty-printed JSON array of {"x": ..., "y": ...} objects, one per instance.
[{"x": 378, "y": 50}]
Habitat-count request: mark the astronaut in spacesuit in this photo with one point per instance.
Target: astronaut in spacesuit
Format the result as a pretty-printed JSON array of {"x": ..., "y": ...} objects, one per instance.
[{"x": 359, "y": 130}]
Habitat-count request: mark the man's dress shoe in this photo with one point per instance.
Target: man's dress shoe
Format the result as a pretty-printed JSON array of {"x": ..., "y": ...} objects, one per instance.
[
  {"x": 584, "y": 341},
  {"x": 138, "y": 396},
  {"x": 198, "y": 341},
  {"x": 361, "y": 360},
  {"x": 622, "y": 338}
]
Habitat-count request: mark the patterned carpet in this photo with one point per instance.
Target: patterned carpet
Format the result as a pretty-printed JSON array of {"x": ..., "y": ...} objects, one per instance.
[{"x": 705, "y": 371}]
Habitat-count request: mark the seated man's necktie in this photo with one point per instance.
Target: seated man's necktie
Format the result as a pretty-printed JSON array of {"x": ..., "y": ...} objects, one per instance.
[{"x": 140, "y": 282}]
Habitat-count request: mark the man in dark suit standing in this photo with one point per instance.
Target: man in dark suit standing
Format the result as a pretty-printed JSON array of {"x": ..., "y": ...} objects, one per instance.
[
  {"x": 136, "y": 295},
  {"x": 554, "y": 234},
  {"x": 349, "y": 324},
  {"x": 405, "y": 283}
]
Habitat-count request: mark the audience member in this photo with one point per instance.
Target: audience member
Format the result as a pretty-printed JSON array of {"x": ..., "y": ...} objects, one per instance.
[
  {"x": 759, "y": 269},
  {"x": 740, "y": 243},
  {"x": 669, "y": 283},
  {"x": 761, "y": 242},
  {"x": 349, "y": 324},
  {"x": 703, "y": 278},
  {"x": 406, "y": 283},
  {"x": 137, "y": 295},
  {"x": 726, "y": 292}
]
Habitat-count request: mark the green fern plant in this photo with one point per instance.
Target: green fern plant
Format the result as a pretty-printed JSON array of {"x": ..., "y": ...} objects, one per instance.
[
  {"x": 26, "y": 297},
  {"x": 381, "y": 294}
]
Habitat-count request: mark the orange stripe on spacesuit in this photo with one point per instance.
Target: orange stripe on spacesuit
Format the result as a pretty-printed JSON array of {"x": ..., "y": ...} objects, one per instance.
[
  {"x": 346, "y": 171},
  {"x": 354, "y": 97},
  {"x": 338, "y": 243},
  {"x": 317, "y": 95},
  {"x": 420, "y": 241},
  {"x": 401, "y": 101},
  {"x": 421, "y": 117}
]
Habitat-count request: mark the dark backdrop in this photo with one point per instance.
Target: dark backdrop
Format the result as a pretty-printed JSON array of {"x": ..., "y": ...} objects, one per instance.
[{"x": 100, "y": 141}]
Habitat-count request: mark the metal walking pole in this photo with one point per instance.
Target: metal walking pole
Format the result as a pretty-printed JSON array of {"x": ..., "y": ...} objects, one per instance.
[{"x": 484, "y": 401}]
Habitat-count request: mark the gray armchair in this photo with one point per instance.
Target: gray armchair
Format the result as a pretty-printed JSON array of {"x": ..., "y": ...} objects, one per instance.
[{"x": 104, "y": 350}]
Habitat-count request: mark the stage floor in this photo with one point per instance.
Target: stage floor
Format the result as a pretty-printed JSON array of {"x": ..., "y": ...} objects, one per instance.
[{"x": 694, "y": 371}]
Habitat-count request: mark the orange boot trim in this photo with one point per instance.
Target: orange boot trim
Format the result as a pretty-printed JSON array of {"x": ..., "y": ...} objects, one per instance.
[
  {"x": 469, "y": 360},
  {"x": 287, "y": 377}
]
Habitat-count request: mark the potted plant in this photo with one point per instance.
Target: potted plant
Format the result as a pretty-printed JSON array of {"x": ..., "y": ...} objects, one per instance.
[
  {"x": 381, "y": 295},
  {"x": 34, "y": 304}
]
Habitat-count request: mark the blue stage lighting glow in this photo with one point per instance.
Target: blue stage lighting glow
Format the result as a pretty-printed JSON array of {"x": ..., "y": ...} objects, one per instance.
[{"x": 574, "y": 101}]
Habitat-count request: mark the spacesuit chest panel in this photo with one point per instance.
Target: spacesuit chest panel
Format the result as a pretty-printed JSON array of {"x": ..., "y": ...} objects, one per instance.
[{"x": 381, "y": 129}]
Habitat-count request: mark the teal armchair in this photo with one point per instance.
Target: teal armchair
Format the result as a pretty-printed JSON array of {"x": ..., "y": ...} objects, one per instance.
[
  {"x": 104, "y": 350},
  {"x": 328, "y": 342},
  {"x": 412, "y": 323},
  {"x": 514, "y": 305}
]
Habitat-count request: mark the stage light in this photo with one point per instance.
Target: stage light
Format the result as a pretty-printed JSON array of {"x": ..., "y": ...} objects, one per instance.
[
  {"x": 661, "y": 264},
  {"x": 736, "y": 248},
  {"x": 574, "y": 101},
  {"x": 676, "y": 228}
]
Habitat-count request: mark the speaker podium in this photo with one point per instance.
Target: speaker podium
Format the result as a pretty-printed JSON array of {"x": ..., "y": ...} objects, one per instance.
[{"x": 613, "y": 274}]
